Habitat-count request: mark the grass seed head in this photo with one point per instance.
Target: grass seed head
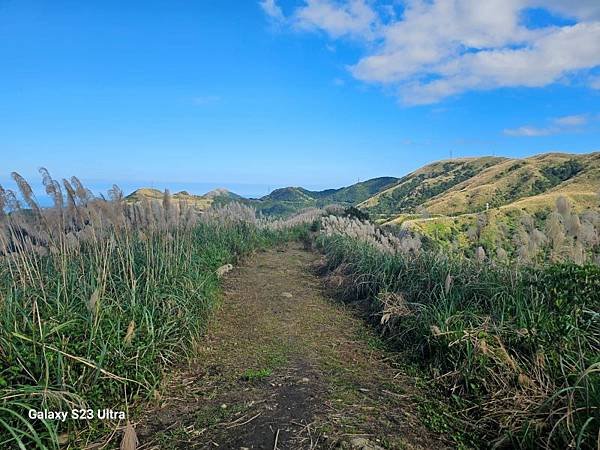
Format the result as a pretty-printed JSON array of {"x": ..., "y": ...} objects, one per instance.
[
  {"x": 130, "y": 439},
  {"x": 93, "y": 304},
  {"x": 130, "y": 333}
]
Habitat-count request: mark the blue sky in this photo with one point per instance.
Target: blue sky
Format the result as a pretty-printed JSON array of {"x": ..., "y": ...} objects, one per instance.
[{"x": 249, "y": 95}]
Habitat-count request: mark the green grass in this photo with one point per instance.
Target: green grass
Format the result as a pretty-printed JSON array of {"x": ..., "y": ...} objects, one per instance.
[
  {"x": 96, "y": 323},
  {"x": 256, "y": 374},
  {"x": 518, "y": 348},
  {"x": 53, "y": 342}
]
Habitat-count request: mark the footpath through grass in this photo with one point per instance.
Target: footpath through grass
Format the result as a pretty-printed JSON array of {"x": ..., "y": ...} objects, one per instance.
[{"x": 282, "y": 366}]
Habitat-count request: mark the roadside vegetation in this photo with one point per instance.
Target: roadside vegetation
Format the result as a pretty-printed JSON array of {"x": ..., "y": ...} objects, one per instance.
[
  {"x": 98, "y": 297},
  {"x": 512, "y": 340}
]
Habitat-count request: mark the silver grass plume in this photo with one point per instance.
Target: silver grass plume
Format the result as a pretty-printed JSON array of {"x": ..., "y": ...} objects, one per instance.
[
  {"x": 26, "y": 192},
  {"x": 480, "y": 254},
  {"x": 563, "y": 206},
  {"x": 52, "y": 188},
  {"x": 167, "y": 206},
  {"x": 501, "y": 254},
  {"x": 12, "y": 202},
  {"x": 83, "y": 194},
  {"x": 447, "y": 284},
  {"x": 115, "y": 194},
  {"x": 2, "y": 202}
]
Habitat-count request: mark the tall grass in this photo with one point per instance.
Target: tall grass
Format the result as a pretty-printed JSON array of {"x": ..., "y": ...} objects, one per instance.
[
  {"x": 516, "y": 348},
  {"x": 98, "y": 297}
]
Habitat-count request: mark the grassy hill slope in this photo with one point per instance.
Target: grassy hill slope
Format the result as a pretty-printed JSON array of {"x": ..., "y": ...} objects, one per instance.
[
  {"x": 535, "y": 181},
  {"x": 471, "y": 185},
  {"x": 199, "y": 202},
  {"x": 514, "y": 190},
  {"x": 424, "y": 184},
  {"x": 279, "y": 202},
  {"x": 450, "y": 188},
  {"x": 286, "y": 200}
]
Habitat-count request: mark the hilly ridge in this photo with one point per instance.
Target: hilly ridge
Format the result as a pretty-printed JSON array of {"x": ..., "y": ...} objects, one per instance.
[
  {"x": 281, "y": 201},
  {"x": 420, "y": 186},
  {"x": 291, "y": 199},
  {"x": 529, "y": 185},
  {"x": 199, "y": 202},
  {"x": 447, "y": 188},
  {"x": 516, "y": 179}
]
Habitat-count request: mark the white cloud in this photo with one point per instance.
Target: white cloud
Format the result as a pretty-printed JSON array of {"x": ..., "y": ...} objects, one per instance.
[
  {"x": 594, "y": 82},
  {"x": 439, "y": 48},
  {"x": 528, "y": 131},
  {"x": 579, "y": 9},
  {"x": 272, "y": 10},
  {"x": 558, "y": 125},
  {"x": 350, "y": 18},
  {"x": 571, "y": 121}
]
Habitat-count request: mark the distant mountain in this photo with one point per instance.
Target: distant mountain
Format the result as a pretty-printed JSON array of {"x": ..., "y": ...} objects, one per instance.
[
  {"x": 450, "y": 188},
  {"x": 416, "y": 188},
  {"x": 200, "y": 202},
  {"x": 357, "y": 192},
  {"x": 279, "y": 202},
  {"x": 472, "y": 185},
  {"x": 289, "y": 194},
  {"x": 221, "y": 193},
  {"x": 286, "y": 200}
]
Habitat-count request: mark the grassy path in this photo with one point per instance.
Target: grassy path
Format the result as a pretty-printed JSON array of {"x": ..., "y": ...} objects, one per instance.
[{"x": 283, "y": 367}]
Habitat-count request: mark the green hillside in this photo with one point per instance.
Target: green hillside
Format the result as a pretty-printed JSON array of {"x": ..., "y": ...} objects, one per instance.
[
  {"x": 490, "y": 208},
  {"x": 279, "y": 202},
  {"x": 424, "y": 184},
  {"x": 471, "y": 185},
  {"x": 450, "y": 188},
  {"x": 290, "y": 199},
  {"x": 198, "y": 202}
]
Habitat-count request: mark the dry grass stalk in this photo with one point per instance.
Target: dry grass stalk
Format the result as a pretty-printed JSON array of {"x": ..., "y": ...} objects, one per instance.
[
  {"x": 130, "y": 439},
  {"x": 93, "y": 304},
  {"x": 405, "y": 243},
  {"x": 394, "y": 306},
  {"x": 447, "y": 284},
  {"x": 130, "y": 332}
]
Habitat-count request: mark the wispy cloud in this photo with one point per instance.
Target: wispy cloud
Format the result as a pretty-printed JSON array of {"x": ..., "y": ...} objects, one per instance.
[
  {"x": 350, "y": 18},
  {"x": 557, "y": 125},
  {"x": 272, "y": 10},
  {"x": 439, "y": 48},
  {"x": 528, "y": 131},
  {"x": 595, "y": 82},
  {"x": 571, "y": 121}
]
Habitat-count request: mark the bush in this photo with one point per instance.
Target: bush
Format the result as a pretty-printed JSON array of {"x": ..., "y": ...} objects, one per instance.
[{"x": 355, "y": 213}]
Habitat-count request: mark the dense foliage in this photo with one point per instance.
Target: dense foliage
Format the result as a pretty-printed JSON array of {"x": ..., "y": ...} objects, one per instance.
[
  {"x": 98, "y": 298},
  {"x": 515, "y": 347}
]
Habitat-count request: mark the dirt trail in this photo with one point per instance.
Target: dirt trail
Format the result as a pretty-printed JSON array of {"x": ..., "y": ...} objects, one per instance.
[{"x": 283, "y": 367}]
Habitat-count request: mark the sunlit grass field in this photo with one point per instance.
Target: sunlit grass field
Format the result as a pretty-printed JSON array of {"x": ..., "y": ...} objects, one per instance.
[{"x": 99, "y": 298}]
